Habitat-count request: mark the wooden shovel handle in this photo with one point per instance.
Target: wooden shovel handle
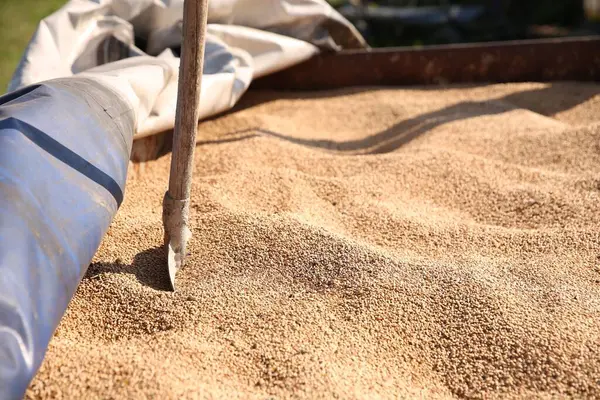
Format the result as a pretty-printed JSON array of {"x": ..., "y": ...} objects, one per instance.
[{"x": 195, "y": 16}]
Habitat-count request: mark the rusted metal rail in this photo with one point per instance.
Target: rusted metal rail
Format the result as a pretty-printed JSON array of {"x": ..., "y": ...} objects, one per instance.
[
  {"x": 570, "y": 59},
  {"x": 575, "y": 59}
]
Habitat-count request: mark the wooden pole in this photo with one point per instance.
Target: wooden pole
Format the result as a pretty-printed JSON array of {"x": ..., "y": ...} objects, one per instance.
[
  {"x": 188, "y": 97},
  {"x": 176, "y": 201}
]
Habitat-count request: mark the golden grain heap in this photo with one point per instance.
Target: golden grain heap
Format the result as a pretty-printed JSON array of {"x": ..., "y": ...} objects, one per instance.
[{"x": 370, "y": 243}]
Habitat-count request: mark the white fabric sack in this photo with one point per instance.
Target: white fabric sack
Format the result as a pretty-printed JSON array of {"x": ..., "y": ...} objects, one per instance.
[{"x": 246, "y": 39}]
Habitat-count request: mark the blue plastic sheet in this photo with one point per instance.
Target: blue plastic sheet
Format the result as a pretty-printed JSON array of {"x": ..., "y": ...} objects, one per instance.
[{"x": 64, "y": 152}]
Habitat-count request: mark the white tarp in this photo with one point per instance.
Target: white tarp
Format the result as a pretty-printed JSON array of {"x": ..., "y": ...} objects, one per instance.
[{"x": 131, "y": 45}]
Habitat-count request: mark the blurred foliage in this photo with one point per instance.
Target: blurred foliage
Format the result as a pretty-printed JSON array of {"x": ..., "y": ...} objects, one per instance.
[
  {"x": 18, "y": 20},
  {"x": 501, "y": 20}
]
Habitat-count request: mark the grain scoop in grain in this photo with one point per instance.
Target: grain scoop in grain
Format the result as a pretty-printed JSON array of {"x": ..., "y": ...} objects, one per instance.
[{"x": 177, "y": 198}]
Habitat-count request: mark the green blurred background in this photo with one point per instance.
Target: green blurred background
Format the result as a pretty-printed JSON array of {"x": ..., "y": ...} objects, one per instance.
[
  {"x": 502, "y": 20},
  {"x": 18, "y": 20}
]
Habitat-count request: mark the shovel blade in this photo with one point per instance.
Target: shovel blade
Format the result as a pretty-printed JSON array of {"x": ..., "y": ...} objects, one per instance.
[
  {"x": 177, "y": 234},
  {"x": 174, "y": 264}
]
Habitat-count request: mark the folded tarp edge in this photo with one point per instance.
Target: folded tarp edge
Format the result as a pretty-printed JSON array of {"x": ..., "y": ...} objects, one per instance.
[{"x": 138, "y": 41}]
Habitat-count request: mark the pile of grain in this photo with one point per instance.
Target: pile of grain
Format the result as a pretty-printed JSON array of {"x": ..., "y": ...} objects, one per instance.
[{"x": 358, "y": 244}]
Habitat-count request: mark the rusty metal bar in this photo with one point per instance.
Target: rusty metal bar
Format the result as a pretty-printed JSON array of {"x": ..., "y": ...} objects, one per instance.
[{"x": 576, "y": 59}]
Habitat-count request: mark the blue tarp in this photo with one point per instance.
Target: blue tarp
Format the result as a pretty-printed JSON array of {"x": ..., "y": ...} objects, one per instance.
[{"x": 64, "y": 152}]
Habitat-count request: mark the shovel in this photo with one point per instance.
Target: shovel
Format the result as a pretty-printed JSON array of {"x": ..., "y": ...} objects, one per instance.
[{"x": 176, "y": 203}]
